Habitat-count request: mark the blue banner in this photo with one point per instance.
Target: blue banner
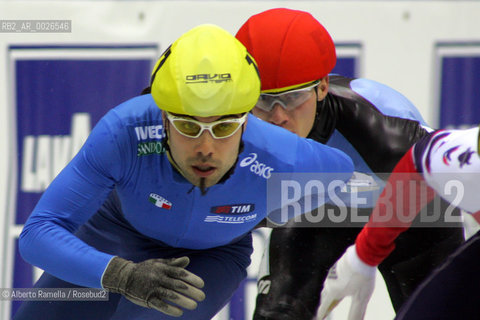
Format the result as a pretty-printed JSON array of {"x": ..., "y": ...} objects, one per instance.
[
  {"x": 60, "y": 94},
  {"x": 458, "y": 95}
]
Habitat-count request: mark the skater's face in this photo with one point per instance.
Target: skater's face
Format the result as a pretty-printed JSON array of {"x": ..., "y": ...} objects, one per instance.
[{"x": 204, "y": 148}]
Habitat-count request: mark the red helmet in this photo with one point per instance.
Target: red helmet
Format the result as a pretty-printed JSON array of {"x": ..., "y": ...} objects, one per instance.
[{"x": 291, "y": 48}]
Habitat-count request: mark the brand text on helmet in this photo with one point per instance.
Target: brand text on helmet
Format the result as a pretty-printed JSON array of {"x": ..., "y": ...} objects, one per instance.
[{"x": 205, "y": 78}]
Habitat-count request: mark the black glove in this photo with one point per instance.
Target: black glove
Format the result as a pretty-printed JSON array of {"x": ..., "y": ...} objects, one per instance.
[{"x": 155, "y": 282}]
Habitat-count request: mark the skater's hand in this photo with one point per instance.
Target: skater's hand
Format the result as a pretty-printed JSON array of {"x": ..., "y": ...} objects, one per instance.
[
  {"x": 155, "y": 283},
  {"x": 349, "y": 276}
]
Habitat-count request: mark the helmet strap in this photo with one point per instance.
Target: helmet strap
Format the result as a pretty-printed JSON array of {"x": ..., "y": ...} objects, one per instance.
[
  {"x": 166, "y": 146},
  {"x": 147, "y": 90}
]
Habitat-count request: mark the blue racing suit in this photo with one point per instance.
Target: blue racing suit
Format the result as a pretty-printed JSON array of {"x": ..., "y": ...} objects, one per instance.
[{"x": 120, "y": 195}]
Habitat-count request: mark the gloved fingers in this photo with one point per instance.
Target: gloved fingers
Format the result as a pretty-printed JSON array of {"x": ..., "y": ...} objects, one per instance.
[
  {"x": 184, "y": 275},
  {"x": 181, "y": 262},
  {"x": 172, "y": 283},
  {"x": 172, "y": 296},
  {"x": 328, "y": 303},
  {"x": 176, "y": 279},
  {"x": 159, "y": 297},
  {"x": 160, "y": 305},
  {"x": 155, "y": 300},
  {"x": 175, "y": 269},
  {"x": 188, "y": 290},
  {"x": 358, "y": 307}
]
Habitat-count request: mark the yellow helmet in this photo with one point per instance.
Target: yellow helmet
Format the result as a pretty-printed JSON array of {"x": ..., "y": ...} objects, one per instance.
[{"x": 206, "y": 72}]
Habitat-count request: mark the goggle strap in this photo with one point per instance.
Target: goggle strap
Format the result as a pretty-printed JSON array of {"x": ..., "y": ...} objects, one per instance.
[{"x": 293, "y": 88}]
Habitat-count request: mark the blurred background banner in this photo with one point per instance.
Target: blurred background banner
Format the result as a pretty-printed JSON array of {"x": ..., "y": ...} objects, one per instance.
[
  {"x": 59, "y": 94},
  {"x": 458, "y": 66},
  {"x": 56, "y": 83}
]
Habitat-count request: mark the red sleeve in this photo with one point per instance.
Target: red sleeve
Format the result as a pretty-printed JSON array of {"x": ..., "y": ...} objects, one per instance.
[
  {"x": 405, "y": 194},
  {"x": 476, "y": 216}
]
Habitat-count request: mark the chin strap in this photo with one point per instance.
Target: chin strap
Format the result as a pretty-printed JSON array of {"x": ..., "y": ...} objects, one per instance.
[
  {"x": 232, "y": 168},
  {"x": 166, "y": 146}
]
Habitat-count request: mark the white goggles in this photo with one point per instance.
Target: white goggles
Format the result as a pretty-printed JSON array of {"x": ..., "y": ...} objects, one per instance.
[
  {"x": 219, "y": 129},
  {"x": 288, "y": 100}
]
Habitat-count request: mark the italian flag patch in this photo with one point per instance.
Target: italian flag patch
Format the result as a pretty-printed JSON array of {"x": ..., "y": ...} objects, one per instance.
[{"x": 159, "y": 201}]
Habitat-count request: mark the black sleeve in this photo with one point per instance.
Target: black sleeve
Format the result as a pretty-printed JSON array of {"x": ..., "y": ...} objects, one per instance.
[{"x": 380, "y": 139}]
